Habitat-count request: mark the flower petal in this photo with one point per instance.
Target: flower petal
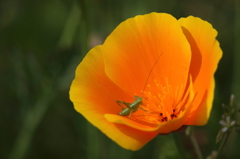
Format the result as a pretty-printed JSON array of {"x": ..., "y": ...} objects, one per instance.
[
  {"x": 165, "y": 127},
  {"x": 94, "y": 95},
  {"x": 206, "y": 54},
  {"x": 178, "y": 122},
  {"x": 135, "y": 45}
]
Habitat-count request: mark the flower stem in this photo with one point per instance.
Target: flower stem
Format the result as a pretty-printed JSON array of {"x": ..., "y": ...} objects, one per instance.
[
  {"x": 179, "y": 146},
  {"x": 224, "y": 140},
  {"x": 196, "y": 146}
]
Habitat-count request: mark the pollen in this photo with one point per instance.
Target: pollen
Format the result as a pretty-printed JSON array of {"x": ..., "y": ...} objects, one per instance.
[{"x": 161, "y": 103}]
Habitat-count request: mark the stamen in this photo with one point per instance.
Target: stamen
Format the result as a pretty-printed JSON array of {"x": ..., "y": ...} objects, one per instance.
[{"x": 161, "y": 103}]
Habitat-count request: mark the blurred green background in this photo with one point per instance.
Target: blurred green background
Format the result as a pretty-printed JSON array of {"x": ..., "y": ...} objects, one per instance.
[{"x": 41, "y": 44}]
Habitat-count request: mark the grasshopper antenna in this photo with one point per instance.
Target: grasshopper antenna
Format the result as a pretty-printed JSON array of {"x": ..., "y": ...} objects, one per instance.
[
  {"x": 132, "y": 107},
  {"x": 151, "y": 71}
]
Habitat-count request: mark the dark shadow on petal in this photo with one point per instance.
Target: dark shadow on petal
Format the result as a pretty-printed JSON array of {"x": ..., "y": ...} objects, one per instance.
[{"x": 196, "y": 60}]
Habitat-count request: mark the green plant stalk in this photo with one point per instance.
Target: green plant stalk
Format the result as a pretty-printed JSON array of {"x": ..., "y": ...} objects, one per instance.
[
  {"x": 224, "y": 140},
  {"x": 30, "y": 124},
  {"x": 179, "y": 145},
  {"x": 93, "y": 139},
  {"x": 70, "y": 27},
  {"x": 235, "y": 87},
  {"x": 236, "y": 55},
  {"x": 93, "y": 145},
  {"x": 196, "y": 146}
]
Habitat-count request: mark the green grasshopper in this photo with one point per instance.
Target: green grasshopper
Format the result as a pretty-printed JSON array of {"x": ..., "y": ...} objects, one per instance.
[{"x": 132, "y": 107}]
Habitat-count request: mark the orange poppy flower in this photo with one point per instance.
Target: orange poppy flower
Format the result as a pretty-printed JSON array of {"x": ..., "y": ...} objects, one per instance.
[{"x": 169, "y": 64}]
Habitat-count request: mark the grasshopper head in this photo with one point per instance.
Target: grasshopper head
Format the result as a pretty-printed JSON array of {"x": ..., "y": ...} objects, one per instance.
[{"x": 139, "y": 100}]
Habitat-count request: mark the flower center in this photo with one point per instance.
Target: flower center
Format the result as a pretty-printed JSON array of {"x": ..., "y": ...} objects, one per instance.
[{"x": 161, "y": 103}]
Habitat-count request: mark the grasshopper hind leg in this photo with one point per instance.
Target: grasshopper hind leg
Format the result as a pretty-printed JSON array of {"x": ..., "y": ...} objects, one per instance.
[
  {"x": 120, "y": 103},
  {"x": 130, "y": 114}
]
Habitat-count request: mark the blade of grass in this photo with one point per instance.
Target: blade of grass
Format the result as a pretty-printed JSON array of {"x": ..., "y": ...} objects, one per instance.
[
  {"x": 31, "y": 122},
  {"x": 196, "y": 146},
  {"x": 179, "y": 146}
]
